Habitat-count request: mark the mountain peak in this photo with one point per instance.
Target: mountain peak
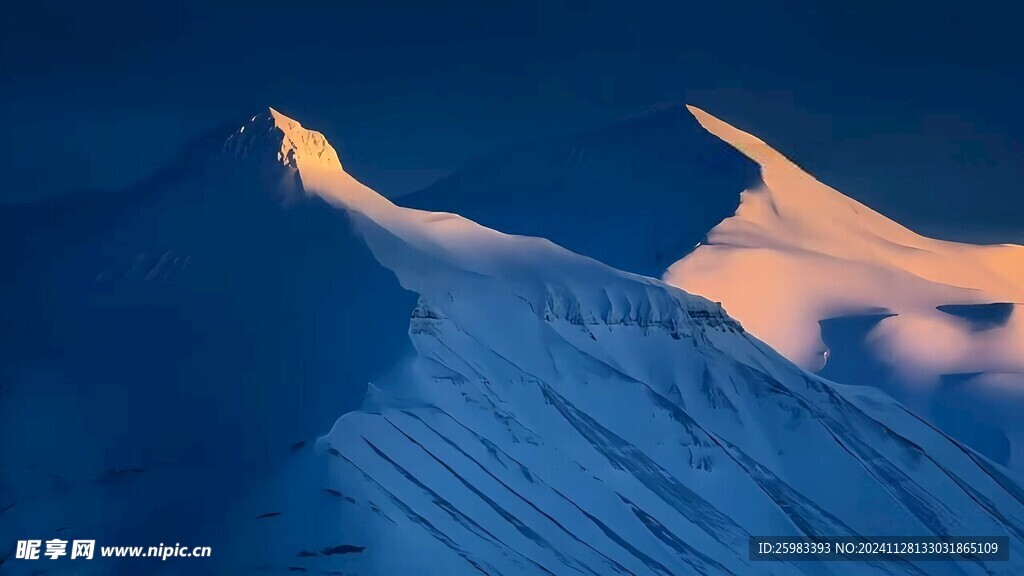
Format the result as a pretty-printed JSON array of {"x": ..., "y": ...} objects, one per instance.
[
  {"x": 748, "y": 144},
  {"x": 270, "y": 136}
]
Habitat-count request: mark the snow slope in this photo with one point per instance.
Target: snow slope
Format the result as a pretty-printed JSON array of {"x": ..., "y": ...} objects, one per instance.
[
  {"x": 797, "y": 253},
  {"x": 562, "y": 417}
]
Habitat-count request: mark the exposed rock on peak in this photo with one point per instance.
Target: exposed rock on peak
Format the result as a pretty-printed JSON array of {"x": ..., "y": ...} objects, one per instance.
[{"x": 272, "y": 136}]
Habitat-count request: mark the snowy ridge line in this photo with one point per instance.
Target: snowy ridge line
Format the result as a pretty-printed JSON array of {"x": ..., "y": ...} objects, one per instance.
[{"x": 820, "y": 256}]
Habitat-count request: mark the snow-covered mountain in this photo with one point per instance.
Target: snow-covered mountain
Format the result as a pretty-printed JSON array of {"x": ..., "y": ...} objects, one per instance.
[
  {"x": 167, "y": 349},
  {"x": 176, "y": 350},
  {"x": 939, "y": 324},
  {"x": 562, "y": 417}
]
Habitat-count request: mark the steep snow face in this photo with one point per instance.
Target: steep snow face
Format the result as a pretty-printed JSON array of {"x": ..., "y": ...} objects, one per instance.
[
  {"x": 798, "y": 252},
  {"x": 562, "y": 417}
]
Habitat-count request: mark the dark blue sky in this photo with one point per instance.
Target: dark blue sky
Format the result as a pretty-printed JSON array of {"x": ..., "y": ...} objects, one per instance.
[{"x": 911, "y": 107}]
